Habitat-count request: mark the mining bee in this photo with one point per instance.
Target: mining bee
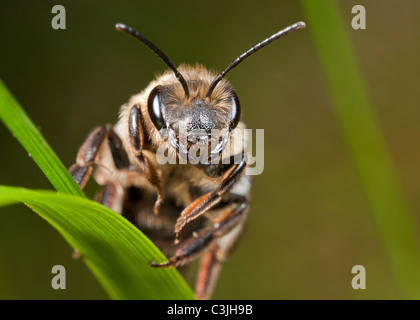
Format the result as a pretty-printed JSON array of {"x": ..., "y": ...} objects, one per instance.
[{"x": 189, "y": 209}]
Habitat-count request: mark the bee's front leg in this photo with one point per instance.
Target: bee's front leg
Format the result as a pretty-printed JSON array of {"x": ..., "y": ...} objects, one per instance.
[
  {"x": 209, "y": 200},
  {"x": 205, "y": 242},
  {"x": 136, "y": 134},
  {"x": 89, "y": 151}
]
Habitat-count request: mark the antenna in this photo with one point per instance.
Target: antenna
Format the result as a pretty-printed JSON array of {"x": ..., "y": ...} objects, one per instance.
[
  {"x": 258, "y": 46},
  {"x": 124, "y": 28}
]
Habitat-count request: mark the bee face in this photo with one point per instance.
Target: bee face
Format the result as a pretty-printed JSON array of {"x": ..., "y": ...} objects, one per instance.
[{"x": 196, "y": 121}]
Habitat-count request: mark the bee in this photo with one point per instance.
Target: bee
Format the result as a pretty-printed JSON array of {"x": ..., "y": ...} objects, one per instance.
[{"x": 190, "y": 209}]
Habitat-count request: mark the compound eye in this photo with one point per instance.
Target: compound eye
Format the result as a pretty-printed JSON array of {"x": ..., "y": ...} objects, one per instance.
[
  {"x": 236, "y": 112},
  {"x": 154, "y": 106}
]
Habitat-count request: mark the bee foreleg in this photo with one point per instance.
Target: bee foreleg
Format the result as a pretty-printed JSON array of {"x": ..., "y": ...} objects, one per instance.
[
  {"x": 205, "y": 242},
  {"x": 205, "y": 239},
  {"x": 136, "y": 134},
  {"x": 209, "y": 200},
  {"x": 89, "y": 151},
  {"x": 87, "y": 154}
]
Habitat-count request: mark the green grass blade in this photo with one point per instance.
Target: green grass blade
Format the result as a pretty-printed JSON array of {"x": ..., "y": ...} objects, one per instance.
[
  {"x": 117, "y": 252},
  {"x": 365, "y": 141},
  {"x": 19, "y": 124}
]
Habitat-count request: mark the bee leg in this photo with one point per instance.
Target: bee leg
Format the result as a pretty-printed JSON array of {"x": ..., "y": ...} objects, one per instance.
[
  {"x": 89, "y": 150},
  {"x": 209, "y": 200},
  {"x": 206, "y": 241},
  {"x": 208, "y": 273},
  {"x": 87, "y": 154},
  {"x": 111, "y": 196},
  {"x": 136, "y": 134}
]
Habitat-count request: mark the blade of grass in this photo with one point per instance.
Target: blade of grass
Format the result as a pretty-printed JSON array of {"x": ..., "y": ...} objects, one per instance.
[
  {"x": 117, "y": 252},
  {"x": 22, "y": 128},
  {"x": 366, "y": 142}
]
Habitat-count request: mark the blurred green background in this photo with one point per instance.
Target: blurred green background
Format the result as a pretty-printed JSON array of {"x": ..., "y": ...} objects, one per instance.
[{"x": 310, "y": 221}]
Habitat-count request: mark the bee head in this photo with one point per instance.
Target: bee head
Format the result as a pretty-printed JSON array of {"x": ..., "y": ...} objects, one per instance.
[
  {"x": 206, "y": 110},
  {"x": 195, "y": 123}
]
